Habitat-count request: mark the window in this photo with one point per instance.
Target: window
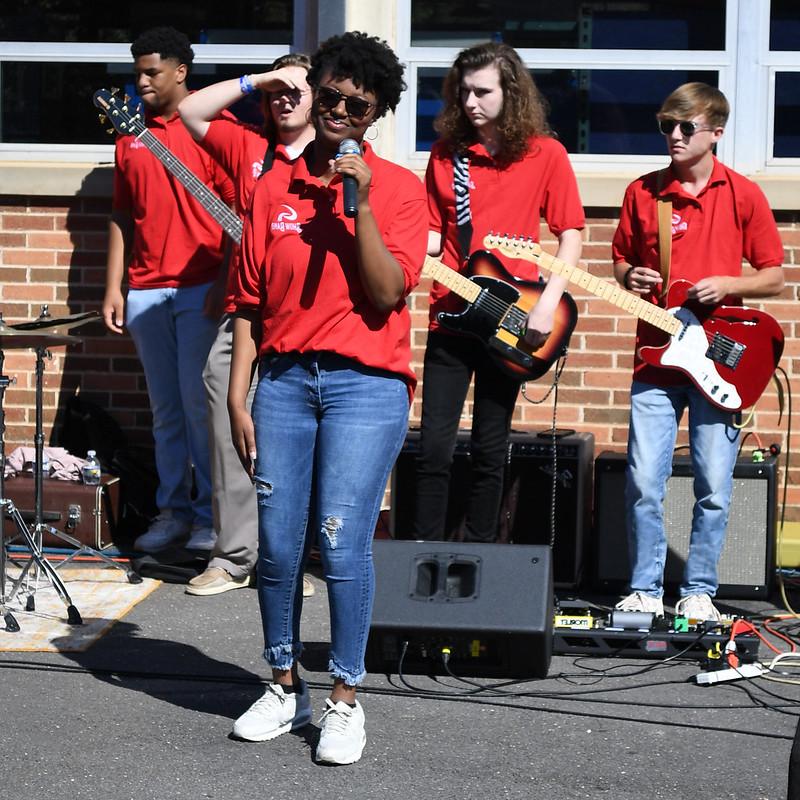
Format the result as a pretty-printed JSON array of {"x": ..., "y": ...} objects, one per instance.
[
  {"x": 604, "y": 68},
  {"x": 51, "y": 63}
]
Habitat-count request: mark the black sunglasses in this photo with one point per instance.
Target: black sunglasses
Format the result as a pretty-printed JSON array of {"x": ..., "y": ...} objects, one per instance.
[
  {"x": 356, "y": 107},
  {"x": 687, "y": 128}
]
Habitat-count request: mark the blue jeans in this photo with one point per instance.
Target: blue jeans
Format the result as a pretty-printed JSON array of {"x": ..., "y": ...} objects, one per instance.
[
  {"x": 328, "y": 431},
  {"x": 173, "y": 337},
  {"x": 655, "y": 415}
]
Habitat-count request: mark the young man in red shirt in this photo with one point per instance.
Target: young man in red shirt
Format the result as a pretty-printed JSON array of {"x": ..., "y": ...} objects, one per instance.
[
  {"x": 244, "y": 151},
  {"x": 514, "y": 173},
  {"x": 173, "y": 249},
  {"x": 718, "y": 218}
]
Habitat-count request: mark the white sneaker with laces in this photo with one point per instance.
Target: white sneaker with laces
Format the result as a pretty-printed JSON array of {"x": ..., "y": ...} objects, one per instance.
[
  {"x": 201, "y": 537},
  {"x": 697, "y": 606},
  {"x": 164, "y": 531},
  {"x": 639, "y": 601},
  {"x": 342, "y": 738},
  {"x": 277, "y": 712}
]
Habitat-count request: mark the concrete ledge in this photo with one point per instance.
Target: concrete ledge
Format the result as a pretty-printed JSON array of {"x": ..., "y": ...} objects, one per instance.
[
  {"x": 598, "y": 189},
  {"x": 56, "y": 179}
]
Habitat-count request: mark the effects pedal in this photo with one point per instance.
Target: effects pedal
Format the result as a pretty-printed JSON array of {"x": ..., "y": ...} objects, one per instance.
[{"x": 638, "y": 634}]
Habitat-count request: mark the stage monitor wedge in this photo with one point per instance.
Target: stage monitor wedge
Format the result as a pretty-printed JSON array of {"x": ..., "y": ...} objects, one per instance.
[{"x": 490, "y": 606}]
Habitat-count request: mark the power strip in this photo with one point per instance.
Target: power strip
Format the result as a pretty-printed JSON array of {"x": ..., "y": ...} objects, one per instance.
[{"x": 730, "y": 674}]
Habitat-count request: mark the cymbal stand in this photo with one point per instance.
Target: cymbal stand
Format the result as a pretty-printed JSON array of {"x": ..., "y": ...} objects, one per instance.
[
  {"x": 33, "y": 538},
  {"x": 39, "y": 526},
  {"x": 11, "y": 623}
]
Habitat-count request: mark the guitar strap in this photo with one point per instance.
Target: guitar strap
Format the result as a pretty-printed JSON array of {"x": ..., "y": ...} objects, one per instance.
[
  {"x": 664, "y": 233},
  {"x": 269, "y": 158},
  {"x": 463, "y": 211}
]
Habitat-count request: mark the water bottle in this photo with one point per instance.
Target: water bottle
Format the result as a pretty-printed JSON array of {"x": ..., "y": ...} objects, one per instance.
[{"x": 91, "y": 469}]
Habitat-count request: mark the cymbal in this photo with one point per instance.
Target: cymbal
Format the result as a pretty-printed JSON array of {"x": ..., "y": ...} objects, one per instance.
[
  {"x": 12, "y": 339},
  {"x": 56, "y": 325}
]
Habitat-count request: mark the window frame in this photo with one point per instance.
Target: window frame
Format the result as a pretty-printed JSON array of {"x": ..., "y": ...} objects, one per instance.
[{"x": 120, "y": 53}]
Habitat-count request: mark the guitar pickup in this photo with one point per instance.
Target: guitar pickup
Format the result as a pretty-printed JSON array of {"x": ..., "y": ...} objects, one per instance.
[{"x": 724, "y": 350}]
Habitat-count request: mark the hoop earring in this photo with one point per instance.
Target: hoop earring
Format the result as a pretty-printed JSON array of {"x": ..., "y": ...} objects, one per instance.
[{"x": 373, "y": 128}]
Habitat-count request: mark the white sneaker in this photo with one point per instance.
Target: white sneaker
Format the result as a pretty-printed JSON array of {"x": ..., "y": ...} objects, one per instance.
[
  {"x": 342, "y": 738},
  {"x": 639, "y": 601},
  {"x": 698, "y": 607},
  {"x": 277, "y": 712},
  {"x": 164, "y": 531},
  {"x": 201, "y": 537}
]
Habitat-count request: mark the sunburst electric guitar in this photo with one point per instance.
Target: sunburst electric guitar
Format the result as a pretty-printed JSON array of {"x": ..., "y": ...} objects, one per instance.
[
  {"x": 497, "y": 311},
  {"x": 728, "y": 352}
]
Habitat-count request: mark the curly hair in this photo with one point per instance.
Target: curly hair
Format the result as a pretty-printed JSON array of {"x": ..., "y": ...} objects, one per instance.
[
  {"x": 692, "y": 99},
  {"x": 524, "y": 112},
  {"x": 167, "y": 42},
  {"x": 366, "y": 60}
]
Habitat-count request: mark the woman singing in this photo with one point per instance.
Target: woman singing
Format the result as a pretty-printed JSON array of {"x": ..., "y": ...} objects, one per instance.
[{"x": 321, "y": 305}]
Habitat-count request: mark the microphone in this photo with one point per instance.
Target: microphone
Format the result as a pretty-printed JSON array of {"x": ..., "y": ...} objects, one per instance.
[{"x": 349, "y": 184}]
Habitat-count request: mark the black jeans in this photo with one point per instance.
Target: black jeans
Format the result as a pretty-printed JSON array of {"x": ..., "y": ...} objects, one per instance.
[{"x": 450, "y": 362}]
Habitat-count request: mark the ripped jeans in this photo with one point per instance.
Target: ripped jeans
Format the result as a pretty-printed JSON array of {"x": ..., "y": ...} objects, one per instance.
[{"x": 328, "y": 431}]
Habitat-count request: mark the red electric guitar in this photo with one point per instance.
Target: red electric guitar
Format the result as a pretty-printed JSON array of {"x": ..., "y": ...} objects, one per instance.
[
  {"x": 497, "y": 311},
  {"x": 728, "y": 352}
]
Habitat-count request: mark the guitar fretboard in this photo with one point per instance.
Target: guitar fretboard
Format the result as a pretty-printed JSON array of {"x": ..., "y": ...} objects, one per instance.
[
  {"x": 610, "y": 292},
  {"x": 213, "y": 204},
  {"x": 453, "y": 280}
]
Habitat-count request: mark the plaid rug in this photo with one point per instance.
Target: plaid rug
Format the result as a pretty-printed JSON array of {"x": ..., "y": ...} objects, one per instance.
[{"x": 102, "y": 595}]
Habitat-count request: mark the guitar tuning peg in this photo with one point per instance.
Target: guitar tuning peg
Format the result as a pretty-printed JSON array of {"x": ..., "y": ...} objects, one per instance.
[
  {"x": 102, "y": 118},
  {"x": 126, "y": 98},
  {"x": 109, "y": 130},
  {"x": 114, "y": 90}
]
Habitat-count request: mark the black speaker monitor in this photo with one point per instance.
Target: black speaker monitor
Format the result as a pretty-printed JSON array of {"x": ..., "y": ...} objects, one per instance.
[{"x": 490, "y": 606}]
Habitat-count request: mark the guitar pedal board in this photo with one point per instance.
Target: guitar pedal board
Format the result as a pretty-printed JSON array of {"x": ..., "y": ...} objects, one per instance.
[{"x": 635, "y": 634}]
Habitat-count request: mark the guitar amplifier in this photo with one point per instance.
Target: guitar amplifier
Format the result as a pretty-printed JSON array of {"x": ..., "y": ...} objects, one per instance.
[
  {"x": 527, "y": 503},
  {"x": 747, "y": 560}
]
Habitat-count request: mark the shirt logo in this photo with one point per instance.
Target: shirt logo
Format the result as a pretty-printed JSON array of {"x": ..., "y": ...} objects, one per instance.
[
  {"x": 286, "y": 220},
  {"x": 257, "y": 169},
  {"x": 678, "y": 225}
]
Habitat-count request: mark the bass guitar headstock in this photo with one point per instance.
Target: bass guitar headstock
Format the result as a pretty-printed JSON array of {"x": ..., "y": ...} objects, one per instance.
[{"x": 117, "y": 111}]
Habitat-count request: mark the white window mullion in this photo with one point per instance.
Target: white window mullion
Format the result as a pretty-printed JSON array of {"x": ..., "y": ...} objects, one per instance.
[{"x": 749, "y": 100}]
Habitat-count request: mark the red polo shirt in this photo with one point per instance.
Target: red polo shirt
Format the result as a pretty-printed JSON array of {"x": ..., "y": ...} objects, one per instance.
[
  {"x": 729, "y": 220},
  {"x": 175, "y": 240},
  {"x": 508, "y": 200},
  {"x": 299, "y": 265},
  {"x": 240, "y": 151}
]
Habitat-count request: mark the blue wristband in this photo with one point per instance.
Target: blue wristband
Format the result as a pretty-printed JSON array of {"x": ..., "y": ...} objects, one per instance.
[{"x": 246, "y": 84}]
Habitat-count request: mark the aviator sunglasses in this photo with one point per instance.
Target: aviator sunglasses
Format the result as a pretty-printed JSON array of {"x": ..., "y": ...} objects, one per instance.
[
  {"x": 687, "y": 128},
  {"x": 356, "y": 107}
]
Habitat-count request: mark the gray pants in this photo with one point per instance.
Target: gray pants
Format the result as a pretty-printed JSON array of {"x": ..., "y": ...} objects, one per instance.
[{"x": 233, "y": 494}]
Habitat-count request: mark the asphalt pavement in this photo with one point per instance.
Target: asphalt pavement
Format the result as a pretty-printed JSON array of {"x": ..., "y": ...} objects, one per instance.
[{"x": 147, "y": 711}]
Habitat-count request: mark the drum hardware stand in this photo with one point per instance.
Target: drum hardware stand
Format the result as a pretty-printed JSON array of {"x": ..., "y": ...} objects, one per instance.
[{"x": 39, "y": 335}]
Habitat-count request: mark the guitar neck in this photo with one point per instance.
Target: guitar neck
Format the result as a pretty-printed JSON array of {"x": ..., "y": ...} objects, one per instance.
[
  {"x": 213, "y": 204},
  {"x": 455, "y": 281},
  {"x": 610, "y": 292}
]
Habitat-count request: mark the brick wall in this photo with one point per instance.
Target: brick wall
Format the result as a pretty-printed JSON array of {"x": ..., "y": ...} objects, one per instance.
[{"x": 52, "y": 250}]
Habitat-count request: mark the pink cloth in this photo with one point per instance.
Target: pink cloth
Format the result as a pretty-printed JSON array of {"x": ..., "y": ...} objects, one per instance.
[{"x": 63, "y": 465}]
